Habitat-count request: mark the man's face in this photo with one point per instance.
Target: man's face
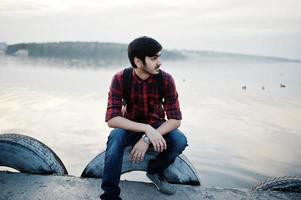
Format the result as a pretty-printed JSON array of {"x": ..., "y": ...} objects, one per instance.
[{"x": 152, "y": 64}]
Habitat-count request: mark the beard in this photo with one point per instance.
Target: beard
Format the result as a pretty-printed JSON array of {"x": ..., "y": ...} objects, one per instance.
[{"x": 151, "y": 72}]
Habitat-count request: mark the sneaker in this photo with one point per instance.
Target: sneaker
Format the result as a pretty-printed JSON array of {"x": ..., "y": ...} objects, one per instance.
[{"x": 161, "y": 183}]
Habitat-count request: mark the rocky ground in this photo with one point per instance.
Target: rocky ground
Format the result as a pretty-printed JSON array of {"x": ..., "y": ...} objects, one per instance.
[{"x": 15, "y": 186}]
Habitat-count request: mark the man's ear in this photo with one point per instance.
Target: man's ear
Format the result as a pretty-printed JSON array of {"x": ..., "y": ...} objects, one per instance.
[{"x": 137, "y": 62}]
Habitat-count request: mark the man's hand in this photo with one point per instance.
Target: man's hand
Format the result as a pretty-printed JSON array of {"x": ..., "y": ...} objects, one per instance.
[
  {"x": 156, "y": 139},
  {"x": 138, "y": 151}
]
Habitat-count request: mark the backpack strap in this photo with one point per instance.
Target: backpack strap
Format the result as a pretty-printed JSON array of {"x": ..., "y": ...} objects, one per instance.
[
  {"x": 160, "y": 86},
  {"x": 127, "y": 85}
]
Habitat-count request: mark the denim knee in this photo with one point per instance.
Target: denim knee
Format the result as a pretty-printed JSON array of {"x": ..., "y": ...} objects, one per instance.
[
  {"x": 117, "y": 137},
  {"x": 179, "y": 140}
]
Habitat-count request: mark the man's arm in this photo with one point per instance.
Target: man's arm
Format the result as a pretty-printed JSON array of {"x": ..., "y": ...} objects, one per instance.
[
  {"x": 169, "y": 126},
  {"x": 154, "y": 135},
  {"x": 124, "y": 123},
  {"x": 172, "y": 108},
  {"x": 138, "y": 151}
]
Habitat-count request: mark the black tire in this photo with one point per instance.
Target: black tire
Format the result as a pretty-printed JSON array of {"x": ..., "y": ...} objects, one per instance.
[
  {"x": 284, "y": 184},
  {"x": 180, "y": 172},
  {"x": 29, "y": 155}
]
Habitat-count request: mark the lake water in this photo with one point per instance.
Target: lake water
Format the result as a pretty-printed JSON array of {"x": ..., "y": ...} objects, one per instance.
[{"x": 236, "y": 137}]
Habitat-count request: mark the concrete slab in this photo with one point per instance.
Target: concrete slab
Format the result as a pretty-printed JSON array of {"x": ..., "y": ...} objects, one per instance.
[{"x": 15, "y": 186}]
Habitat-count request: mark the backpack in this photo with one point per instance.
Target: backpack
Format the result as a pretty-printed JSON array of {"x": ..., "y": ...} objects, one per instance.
[{"x": 127, "y": 85}]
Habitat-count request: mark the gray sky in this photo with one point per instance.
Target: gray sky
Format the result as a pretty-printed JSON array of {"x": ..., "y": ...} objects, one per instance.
[{"x": 262, "y": 27}]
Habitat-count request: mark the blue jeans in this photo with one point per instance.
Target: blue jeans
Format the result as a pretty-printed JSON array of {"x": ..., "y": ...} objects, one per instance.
[{"x": 118, "y": 140}]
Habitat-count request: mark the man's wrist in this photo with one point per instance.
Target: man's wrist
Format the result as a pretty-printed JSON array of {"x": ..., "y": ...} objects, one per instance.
[
  {"x": 146, "y": 139},
  {"x": 147, "y": 128}
]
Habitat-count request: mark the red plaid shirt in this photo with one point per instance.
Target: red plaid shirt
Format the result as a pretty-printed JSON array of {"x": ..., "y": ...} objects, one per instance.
[{"x": 144, "y": 106}]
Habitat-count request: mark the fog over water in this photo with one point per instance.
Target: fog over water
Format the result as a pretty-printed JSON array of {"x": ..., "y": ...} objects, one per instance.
[{"x": 236, "y": 136}]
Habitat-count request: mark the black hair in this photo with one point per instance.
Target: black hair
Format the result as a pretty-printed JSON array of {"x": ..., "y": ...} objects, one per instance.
[{"x": 142, "y": 47}]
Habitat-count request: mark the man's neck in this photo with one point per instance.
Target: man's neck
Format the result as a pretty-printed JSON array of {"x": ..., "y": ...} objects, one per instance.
[{"x": 141, "y": 73}]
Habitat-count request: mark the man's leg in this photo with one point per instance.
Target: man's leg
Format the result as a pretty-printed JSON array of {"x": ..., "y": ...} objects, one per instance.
[
  {"x": 117, "y": 141},
  {"x": 176, "y": 143}
]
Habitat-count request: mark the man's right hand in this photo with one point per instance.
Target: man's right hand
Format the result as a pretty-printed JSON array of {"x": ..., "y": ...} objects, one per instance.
[{"x": 156, "y": 139}]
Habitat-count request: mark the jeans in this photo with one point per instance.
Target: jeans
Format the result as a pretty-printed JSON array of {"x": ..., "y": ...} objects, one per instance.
[{"x": 118, "y": 140}]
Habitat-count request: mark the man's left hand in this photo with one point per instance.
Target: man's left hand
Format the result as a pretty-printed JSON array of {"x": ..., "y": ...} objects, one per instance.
[{"x": 138, "y": 151}]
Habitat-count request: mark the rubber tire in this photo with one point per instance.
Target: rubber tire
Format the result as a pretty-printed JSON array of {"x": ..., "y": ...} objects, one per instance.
[
  {"x": 284, "y": 184},
  {"x": 29, "y": 155},
  {"x": 180, "y": 172}
]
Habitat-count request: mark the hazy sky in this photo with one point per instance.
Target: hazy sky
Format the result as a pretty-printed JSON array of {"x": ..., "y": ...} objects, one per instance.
[{"x": 263, "y": 27}]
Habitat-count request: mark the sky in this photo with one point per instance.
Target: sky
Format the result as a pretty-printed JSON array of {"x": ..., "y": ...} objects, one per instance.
[{"x": 259, "y": 27}]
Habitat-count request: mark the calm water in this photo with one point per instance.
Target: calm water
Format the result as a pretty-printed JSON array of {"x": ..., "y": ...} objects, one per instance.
[{"x": 236, "y": 137}]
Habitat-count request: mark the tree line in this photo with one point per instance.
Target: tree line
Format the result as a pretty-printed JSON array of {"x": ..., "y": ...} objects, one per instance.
[{"x": 80, "y": 50}]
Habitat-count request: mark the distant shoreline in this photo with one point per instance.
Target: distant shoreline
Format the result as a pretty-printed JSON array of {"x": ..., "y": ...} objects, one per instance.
[{"x": 118, "y": 51}]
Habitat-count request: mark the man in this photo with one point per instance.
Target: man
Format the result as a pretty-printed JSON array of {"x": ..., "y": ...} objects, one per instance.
[{"x": 138, "y": 118}]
